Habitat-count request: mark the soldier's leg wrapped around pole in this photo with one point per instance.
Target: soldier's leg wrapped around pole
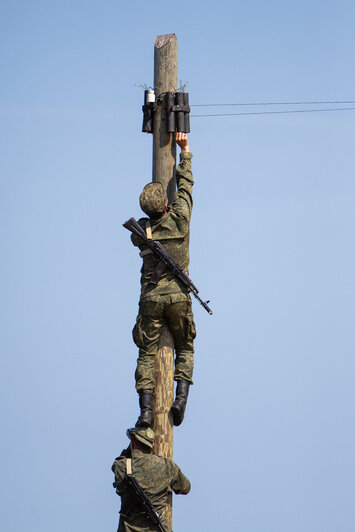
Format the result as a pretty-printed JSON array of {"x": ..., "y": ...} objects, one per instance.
[
  {"x": 181, "y": 324},
  {"x": 146, "y": 334}
]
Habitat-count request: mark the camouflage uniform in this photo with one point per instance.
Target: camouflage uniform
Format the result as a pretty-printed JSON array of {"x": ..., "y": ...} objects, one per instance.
[
  {"x": 168, "y": 302},
  {"x": 158, "y": 477}
]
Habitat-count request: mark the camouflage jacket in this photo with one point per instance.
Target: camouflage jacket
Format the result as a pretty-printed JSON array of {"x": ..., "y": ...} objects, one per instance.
[
  {"x": 173, "y": 231},
  {"x": 158, "y": 477}
]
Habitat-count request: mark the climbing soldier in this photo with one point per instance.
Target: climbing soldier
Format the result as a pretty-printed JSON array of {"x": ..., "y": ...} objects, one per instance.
[
  {"x": 156, "y": 476},
  {"x": 164, "y": 300}
]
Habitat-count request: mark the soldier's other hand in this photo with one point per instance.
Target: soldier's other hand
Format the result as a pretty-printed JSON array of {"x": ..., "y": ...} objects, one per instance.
[{"x": 182, "y": 141}]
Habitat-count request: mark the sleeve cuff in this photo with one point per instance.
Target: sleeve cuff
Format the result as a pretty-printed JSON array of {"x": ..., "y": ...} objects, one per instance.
[{"x": 185, "y": 155}]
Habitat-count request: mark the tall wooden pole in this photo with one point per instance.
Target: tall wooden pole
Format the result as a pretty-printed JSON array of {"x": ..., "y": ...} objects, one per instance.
[{"x": 164, "y": 162}]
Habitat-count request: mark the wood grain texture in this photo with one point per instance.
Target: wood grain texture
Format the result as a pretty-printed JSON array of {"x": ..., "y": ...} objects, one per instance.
[
  {"x": 164, "y": 396},
  {"x": 165, "y": 80}
]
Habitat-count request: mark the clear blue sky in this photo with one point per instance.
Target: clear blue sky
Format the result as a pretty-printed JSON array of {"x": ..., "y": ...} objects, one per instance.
[{"x": 269, "y": 436}]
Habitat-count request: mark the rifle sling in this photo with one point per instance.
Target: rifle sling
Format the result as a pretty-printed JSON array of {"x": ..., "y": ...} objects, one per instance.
[
  {"x": 148, "y": 230},
  {"x": 129, "y": 466},
  {"x": 145, "y": 252}
]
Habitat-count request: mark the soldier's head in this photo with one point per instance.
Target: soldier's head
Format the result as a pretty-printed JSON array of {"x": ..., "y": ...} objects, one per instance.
[
  {"x": 141, "y": 437},
  {"x": 153, "y": 200}
]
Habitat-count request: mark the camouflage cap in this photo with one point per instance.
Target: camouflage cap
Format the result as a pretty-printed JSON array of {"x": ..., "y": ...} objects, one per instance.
[
  {"x": 153, "y": 199},
  {"x": 143, "y": 435}
]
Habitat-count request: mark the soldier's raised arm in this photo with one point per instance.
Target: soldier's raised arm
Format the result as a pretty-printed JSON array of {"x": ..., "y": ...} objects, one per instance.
[{"x": 184, "y": 179}]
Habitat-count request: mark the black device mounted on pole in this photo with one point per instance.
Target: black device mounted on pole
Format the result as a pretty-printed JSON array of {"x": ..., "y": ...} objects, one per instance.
[
  {"x": 177, "y": 110},
  {"x": 148, "y": 111}
]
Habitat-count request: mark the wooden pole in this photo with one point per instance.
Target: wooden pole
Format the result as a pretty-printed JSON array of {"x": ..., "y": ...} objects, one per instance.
[
  {"x": 164, "y": 162},
  {"x": 165, "y": 80}
]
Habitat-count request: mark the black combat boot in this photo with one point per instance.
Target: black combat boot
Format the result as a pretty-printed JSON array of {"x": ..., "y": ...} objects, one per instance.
[
  {"x": 146, "y": 405},
  {"x": 179, "y": 405}
]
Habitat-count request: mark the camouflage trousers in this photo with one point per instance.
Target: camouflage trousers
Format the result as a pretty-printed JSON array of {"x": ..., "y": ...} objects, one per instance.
[
  {"x": 153, "y": 315},
  {"x": 144, "y": 526}
]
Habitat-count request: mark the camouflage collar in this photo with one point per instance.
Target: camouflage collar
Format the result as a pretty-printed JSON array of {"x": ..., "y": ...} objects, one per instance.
[{"x": 141, "y": 451}]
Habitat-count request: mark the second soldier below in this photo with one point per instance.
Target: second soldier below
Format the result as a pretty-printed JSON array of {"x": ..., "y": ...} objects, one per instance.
[
  {"x": 165, "y": 301},
  {"x": 155, "y": 475}
]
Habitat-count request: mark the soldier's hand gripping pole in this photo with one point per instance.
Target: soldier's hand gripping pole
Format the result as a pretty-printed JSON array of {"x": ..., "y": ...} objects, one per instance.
[{"x": 160, "y": 253}]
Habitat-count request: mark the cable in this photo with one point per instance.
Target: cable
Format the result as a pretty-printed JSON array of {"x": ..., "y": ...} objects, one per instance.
[
  {"x": 268, "y": 103},
  {"x": 279, "y": 112}
]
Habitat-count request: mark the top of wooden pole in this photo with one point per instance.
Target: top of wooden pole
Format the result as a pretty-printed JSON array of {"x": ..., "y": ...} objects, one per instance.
[
  {"x": 165, "y": 64},
  {"x": 162, "y": 40}
]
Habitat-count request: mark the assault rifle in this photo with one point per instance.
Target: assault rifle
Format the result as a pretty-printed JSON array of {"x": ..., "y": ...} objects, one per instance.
[
  {"x": 166, "y": 260},
  {"x": 143, "y": 498}
]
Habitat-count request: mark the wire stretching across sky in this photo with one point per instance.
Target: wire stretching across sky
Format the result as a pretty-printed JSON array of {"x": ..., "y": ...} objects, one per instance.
[
  {"x": 279, "y": 112},
  {"x": 343, "y": 102},
  {"x": 289, "y": 111}
]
